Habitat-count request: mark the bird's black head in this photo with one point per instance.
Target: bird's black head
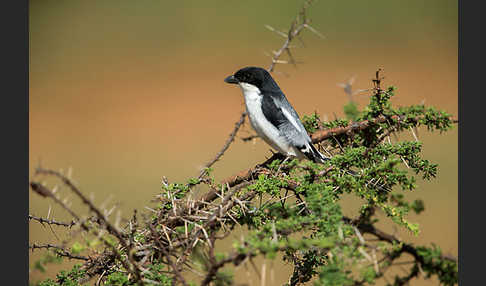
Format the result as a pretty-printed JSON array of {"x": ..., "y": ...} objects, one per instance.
[{"x": 256, "y": 76}]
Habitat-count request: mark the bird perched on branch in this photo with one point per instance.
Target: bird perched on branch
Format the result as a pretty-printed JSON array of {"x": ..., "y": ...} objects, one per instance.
[{"x": 272, "y": 116}]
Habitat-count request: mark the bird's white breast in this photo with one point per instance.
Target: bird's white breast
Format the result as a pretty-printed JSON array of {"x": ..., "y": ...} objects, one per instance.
[{"x": 264, "y": 128}]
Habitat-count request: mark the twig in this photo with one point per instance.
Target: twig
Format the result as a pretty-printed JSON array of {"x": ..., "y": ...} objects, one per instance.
[
  {"x": 235, "y": 258},
  {"x": 46, "y": 192},
  {"x": 167, "y": 256},
  {"x": 59, "y": 250},
  {"x": 85, "y": 200},
  {"x": 322, "y": 135},
  {"x": 301, "y": 22},
  {"x": 383, "y": 236},
  {"x": 226, "y": 145},
  {"x": 51, "y": 221}
]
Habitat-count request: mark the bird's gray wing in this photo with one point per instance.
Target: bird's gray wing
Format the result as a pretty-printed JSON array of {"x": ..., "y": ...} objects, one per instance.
[{"x": 281, "y": 114}]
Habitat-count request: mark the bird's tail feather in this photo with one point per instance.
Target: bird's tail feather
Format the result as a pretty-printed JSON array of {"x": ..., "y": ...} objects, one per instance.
[{"x": 312, "y": 154}]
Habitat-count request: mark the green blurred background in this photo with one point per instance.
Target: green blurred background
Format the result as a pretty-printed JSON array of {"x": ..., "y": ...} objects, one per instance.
[{"x": 125, "y": 92}]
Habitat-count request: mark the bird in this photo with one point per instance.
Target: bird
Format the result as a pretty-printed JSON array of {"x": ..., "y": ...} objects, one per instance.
[{"x": 272, "y": 116}]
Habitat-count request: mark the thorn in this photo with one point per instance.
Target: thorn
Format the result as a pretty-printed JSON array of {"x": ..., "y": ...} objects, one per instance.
[
  {"x": 315, "y": 31},
  {"x": 69, "y": 172},
  {"x": 276, "y": 31}
]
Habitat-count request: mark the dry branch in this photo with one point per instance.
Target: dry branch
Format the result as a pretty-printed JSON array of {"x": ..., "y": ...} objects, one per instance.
[
  {"x": 226, "y": 145},
  {"x": 131, "y": 265},
  {"x": 59, "y": 250},
  {"x": 113, "y": 230},
  {"x": 51, "y": 221},
  {"x": 300, "y": 23}
]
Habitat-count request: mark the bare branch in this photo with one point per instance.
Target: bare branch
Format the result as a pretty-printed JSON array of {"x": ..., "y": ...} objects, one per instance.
[
  {"x": 51, "y": 221},
  {"x": 59, "y": 250},
  {"x": 48, "y": 193},
  {"x": 300, "y": 23},
  {"x": 226, "y": 145}
]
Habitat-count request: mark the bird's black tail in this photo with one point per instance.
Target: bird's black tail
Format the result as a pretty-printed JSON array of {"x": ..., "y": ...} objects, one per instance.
[{"x": 312, "y": 154}]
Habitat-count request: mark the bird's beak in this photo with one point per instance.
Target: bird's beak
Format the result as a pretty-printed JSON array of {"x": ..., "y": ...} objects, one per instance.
[{"x": 231, "y": 79}]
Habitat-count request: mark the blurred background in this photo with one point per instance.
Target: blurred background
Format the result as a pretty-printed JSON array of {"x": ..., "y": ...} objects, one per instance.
[{"x": 125, "y": 92}]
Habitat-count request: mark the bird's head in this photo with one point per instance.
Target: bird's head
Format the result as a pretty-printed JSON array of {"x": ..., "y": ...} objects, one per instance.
[{"x": 254, "y": 76}]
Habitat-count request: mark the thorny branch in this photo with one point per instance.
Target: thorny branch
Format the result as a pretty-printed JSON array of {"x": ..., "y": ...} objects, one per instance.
[
  {"x": 300, "y": 23},
  {"x": 388, "y": 258},
  {"x": 235, "y": 258},
  {"x": 322, "y": 135},
  {"x": 131, "y": 266},
  {"x": 226, "y": 145},
  {"x": 59, "y": 250},
  {"x": 52, "y": 221},
  {"x": 113, "y": 230},
  {"x": 174, "y": 267}
]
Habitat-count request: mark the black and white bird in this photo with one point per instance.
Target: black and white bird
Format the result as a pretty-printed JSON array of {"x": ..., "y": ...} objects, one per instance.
[{"x": 272, "y": 116}]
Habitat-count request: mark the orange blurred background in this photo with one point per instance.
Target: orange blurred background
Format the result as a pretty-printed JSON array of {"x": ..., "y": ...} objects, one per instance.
[{"x": 125, "y": 92}]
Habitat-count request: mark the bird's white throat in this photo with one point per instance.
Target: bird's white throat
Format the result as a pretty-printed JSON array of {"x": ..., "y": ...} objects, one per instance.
[
  {"x": 249, "y": 90},
  {"x": 253, "y": 102}
]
